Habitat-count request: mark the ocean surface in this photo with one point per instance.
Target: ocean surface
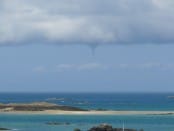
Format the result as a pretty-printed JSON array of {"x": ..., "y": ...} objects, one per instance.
[{"x": 108, "y": 101}]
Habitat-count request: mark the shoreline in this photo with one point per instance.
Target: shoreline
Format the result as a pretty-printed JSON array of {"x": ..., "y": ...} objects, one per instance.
[
  {"x": 91, "y": 112},
  {"x": 44, "y": 108}
]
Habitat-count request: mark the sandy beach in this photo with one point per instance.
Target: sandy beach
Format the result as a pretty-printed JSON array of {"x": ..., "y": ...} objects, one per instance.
[
  {"x": 92, "y": 112},
  {"x": 44, "y": 108}
]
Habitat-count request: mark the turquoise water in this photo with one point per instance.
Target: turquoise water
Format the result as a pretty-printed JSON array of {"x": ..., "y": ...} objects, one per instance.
[
  {"x": 111, "y": 101},
  {"x": 37, "y": 122}
]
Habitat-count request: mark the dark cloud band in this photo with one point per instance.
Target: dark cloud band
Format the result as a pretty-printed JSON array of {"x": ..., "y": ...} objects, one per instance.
[{"x": 86, "y": 22}]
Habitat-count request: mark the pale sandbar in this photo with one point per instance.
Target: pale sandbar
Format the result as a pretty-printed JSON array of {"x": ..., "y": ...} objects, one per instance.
[{"x": 44, "y": 108}]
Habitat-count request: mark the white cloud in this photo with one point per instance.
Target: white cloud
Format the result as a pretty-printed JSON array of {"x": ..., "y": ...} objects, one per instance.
[
  {"x": 146, "y": 66},
  {"x": 91, "y": 66},
  {"x": 80, "y": 67},
  {"x": 104, "y": 67},
  {"x": 64, "y": 67},
  {"x": 39, "y": 69},
  {"x": 86, "y": 21}
]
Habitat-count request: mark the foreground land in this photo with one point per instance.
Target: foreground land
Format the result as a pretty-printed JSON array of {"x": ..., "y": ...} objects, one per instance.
[
  {"x": 102, "y": 127},
  {"x": 54, "y": 109}
]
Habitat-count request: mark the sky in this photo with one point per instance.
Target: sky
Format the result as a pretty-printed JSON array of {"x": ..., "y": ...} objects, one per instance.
[{"x": 86, "y": 46}]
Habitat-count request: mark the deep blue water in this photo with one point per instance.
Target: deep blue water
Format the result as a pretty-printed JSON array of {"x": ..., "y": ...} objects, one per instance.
[{"x": 117, "y": 101}]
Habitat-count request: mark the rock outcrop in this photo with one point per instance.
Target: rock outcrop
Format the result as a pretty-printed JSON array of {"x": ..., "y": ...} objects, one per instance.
[
  {"x": 106, "y": 127},
  {"x": 4, "y": 129},
  {"x": 57, "y": 123}
]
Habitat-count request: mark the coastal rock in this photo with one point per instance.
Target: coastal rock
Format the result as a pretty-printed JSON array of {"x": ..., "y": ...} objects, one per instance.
[
  {"x": 77, "y": 129},
  {"x": 170, "y": 97},
  {"x": 106, "y": 127},
  {"x": 57, "y": 123},
  {"x": 3, "y": 129}
]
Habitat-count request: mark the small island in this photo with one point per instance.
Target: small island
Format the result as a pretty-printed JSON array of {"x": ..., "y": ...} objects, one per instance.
[
  {"x": 54, "y": 109},
  {"x": 36, "y": 106}
]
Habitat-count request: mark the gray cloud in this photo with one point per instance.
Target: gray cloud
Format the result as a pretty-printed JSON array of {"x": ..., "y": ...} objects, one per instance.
[{"x": 86, "y": 21}]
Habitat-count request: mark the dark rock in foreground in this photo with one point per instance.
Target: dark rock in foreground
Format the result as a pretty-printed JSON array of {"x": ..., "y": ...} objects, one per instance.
[
  {"x": 77, "y": 129},
  {"x": 106, "y": 127},
  {"x": 3, "y": 129}
]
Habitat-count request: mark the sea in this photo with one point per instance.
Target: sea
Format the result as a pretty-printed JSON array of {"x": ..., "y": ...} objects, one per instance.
[{"x": 97, "y": 101}]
